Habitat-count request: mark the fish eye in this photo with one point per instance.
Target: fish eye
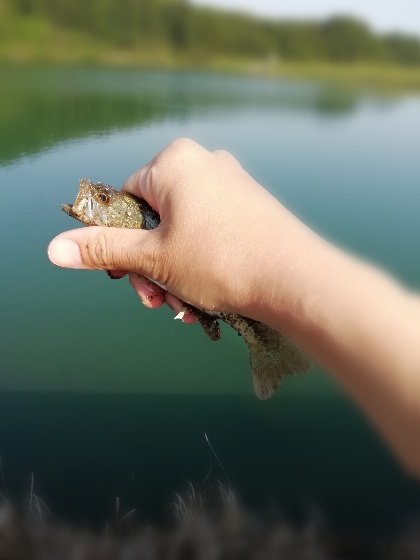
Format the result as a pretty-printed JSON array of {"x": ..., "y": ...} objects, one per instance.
[{"x": 104, "y": 197}]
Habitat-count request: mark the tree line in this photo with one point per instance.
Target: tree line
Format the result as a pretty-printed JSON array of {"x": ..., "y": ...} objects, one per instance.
[{"x": 204, "y": 31}]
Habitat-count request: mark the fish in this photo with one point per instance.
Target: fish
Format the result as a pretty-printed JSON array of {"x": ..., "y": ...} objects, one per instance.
[{"x": 272, "y": 356}]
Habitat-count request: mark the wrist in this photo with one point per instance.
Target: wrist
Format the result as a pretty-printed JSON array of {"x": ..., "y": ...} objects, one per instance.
[{"x": 292, "y": 271}]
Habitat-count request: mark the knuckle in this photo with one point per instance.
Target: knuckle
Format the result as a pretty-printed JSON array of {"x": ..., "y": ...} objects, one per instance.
[
  {"x": 137, "y": 176},
  {"x": 94, "y": 250},
  {"x": 154, "y": 177},
  {"x": 181, "y": 144},
  {"x": 180, "y": 149},
  {"x": 224, "y": 155},
  {"x": 161, "y": 263},
  {"x": 149, "y": 258},
  {"x": 151, "y": 264},
  {"x": 171, "y": 160}
]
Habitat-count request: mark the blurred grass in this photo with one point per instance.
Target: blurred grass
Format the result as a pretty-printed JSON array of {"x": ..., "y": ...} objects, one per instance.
[{"x": 36, "y": 39}]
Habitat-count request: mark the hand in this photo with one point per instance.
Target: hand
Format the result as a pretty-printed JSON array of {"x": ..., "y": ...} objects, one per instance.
[
  {"x": 225, "y": 243},
  {"x": 213, "y": 241}
]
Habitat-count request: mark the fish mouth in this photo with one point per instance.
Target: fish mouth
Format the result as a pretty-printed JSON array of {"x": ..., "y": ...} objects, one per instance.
[{"x": 68, "y": 209}]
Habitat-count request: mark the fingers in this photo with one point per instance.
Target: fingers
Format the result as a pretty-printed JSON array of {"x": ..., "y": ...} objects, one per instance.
[
  {"x": 182, "y": 312},
  {"x": 114, "y": 249},
  {"x": 116, "y": 274},
  {"x": 163, "y": 171},
  {"x": 140, "y": 184},
  {"x": 152, "y": 296}
]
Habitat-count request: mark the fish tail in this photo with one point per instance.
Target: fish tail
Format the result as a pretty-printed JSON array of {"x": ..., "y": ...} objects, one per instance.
[{"x": 273, "y": 357}]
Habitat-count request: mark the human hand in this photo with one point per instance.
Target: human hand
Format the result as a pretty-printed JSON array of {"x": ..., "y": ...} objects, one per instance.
[
  {"x": 225, "y": 243},
  {"x": 212, "y": 245}
]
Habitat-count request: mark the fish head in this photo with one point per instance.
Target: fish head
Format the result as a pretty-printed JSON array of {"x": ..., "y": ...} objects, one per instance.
[
  {"x": 98, "y": 204},
  {"x": 92, "y": 203}
]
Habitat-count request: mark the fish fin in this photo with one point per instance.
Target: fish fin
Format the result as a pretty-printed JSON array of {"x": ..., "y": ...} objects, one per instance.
[
  {"x": 272, "y": 356},
  {"x": 272, "y": 359},
  {"x": 211, "y": 327},
  {"x": 209, "y": 324}
]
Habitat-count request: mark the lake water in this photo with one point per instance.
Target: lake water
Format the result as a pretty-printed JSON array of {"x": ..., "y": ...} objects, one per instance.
[{"x": 100, "y": 397}]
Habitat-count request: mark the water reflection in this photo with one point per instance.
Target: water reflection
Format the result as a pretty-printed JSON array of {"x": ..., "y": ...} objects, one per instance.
[
  {"x": 346, "y": 163},
  {"x": 40, "y": 107}
]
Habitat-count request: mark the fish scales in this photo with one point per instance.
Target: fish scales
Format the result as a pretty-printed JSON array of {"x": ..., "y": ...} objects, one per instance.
[{"x": 271, "y": 355}]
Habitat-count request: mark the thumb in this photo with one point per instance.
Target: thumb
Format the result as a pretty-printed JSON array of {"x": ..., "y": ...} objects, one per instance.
[{"x": 103, "y": 248}]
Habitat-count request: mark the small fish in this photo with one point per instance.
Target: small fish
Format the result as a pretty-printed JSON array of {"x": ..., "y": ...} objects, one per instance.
[{"x": 271, "y": 355}]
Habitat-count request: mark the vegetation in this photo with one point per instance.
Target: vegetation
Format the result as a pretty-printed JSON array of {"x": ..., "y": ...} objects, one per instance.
[
  {"x": 207, "y": 524},
  {"x": 176, "y": 33}
]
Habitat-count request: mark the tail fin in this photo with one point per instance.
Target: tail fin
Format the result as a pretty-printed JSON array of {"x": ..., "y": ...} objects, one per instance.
[{"x": 272, "y": 357}]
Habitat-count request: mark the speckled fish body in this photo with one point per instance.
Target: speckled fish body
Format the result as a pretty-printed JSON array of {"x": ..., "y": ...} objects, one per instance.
[
  {"x": 272, "y": 356},
  {"x": 97, "y": 204}
]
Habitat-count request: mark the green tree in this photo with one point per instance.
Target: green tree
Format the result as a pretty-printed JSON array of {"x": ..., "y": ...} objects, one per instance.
[
  {"x": 350, "y": 40},
  {"x": 196, "y": 30},
  {"x": 402, "y": 49}
]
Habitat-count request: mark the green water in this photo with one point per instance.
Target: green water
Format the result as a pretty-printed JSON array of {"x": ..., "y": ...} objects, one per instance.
[{"x": 100, "y": 397}]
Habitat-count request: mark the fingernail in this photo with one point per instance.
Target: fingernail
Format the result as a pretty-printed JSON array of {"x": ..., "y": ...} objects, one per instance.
[
  {"x": 180, "y": 315},
  {"x": 65, "y": 253},
  {"x": 149, "y": 286}
]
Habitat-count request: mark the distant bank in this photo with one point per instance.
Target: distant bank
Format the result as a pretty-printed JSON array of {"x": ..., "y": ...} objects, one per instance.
[
  {"x": 388, "y": 78},
  {"x": 175, "y": 34}
]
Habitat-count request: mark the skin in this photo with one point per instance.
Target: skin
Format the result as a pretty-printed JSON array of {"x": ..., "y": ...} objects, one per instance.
[{"x": 225, "y": 243}]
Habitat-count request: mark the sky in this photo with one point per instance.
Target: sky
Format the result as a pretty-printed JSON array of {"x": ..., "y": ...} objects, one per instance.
[{"x": 382, "y": 15}]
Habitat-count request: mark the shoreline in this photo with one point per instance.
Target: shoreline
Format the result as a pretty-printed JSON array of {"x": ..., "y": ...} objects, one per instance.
[{"x": 381, "y": 77}]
